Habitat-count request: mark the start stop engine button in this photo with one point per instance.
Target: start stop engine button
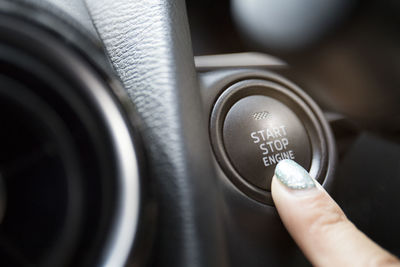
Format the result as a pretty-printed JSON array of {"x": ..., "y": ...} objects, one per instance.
[
  {"x": 255, "y": 123},
  {"x": 260, "y": 131}
]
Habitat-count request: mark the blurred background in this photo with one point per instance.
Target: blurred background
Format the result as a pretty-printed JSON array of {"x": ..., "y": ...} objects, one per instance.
[{"x": 344, "y": 53}]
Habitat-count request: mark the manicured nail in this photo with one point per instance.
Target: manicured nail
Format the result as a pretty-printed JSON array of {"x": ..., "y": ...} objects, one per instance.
[{"x": 293, "y": 175}]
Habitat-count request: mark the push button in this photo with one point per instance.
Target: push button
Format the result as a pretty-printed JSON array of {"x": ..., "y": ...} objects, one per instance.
[
  {"x": 258, "y": 132},
  {"x": 255, "y": 123}
]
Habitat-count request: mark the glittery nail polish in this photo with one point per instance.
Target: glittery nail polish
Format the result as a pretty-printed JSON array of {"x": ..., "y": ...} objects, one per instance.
[{"x": 293, "y": 175}]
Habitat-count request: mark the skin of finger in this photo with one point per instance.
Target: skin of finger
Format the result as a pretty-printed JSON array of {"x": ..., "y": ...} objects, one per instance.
[{"x": 322, "y": 231}]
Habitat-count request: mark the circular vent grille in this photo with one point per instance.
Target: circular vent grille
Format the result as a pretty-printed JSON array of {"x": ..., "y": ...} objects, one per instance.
[{"x": 69, "y": 188}]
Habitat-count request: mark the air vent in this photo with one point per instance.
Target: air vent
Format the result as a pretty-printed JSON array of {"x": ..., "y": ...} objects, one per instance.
[{"x": 67, "y": 154}]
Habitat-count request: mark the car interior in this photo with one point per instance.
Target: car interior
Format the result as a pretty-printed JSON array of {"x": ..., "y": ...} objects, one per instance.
[{"x": 146, "y": 132}]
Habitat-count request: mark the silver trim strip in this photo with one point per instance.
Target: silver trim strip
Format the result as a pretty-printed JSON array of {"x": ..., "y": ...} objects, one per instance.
[
  {"x": 237, "y": 60},
  {"x": 127, "y": 216}
]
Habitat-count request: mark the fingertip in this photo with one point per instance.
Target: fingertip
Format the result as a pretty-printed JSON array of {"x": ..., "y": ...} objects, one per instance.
[
  {"x": 317, "y": 223},
  {"x": 293, "y": 175}
]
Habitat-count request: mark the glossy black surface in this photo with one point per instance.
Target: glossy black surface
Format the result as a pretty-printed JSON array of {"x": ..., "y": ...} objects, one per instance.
[{"x": 258, "y": 132}]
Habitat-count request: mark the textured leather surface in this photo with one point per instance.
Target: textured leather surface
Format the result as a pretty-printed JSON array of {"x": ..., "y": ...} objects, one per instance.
[{"x": 149, "y": 45}]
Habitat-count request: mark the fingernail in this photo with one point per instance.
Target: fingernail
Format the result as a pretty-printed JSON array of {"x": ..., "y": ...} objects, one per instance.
[{"x": 293, "y": 175}]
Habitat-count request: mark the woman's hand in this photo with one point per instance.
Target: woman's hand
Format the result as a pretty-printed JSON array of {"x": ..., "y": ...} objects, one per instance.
[{"x": 318, "y": 225}]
